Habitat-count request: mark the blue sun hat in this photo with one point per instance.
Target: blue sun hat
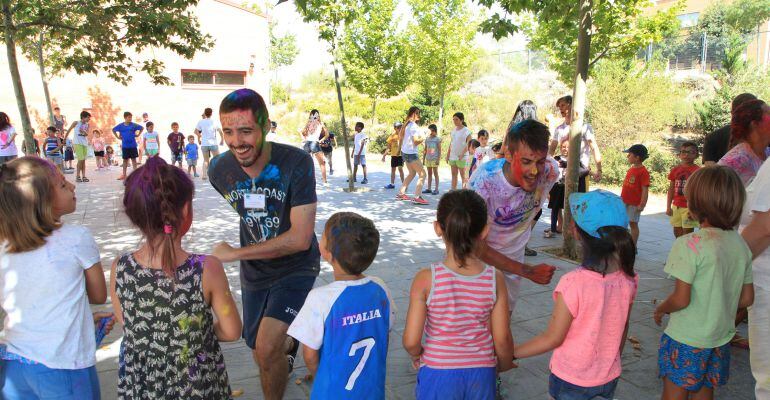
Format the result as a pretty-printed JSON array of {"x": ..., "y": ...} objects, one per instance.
[{"x": 597, "y": 209}]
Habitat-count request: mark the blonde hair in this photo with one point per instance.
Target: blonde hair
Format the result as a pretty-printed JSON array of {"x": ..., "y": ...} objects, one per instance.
[
  {"x": 26, "y": 203},
  {"x": 715, "y": 194}
]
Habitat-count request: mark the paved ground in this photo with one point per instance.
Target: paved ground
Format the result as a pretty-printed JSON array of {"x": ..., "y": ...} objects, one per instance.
[{"x": 99, "y": 205}]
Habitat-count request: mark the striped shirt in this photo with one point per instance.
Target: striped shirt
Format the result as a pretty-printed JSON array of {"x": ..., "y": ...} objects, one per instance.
[{"x": 457, "y": 333}]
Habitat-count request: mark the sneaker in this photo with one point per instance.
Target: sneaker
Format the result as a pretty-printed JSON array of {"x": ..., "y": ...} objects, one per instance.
[
  {"x": 196, "y": 175},
  {"x": 292, "y": 354},
  {"x": 365, "y": 181},
  {"x": 419, "y": 201},
  {"x": 434, "y": 192},
  {"x": 548, "y": 234},
  {"x": 529, "y": 252},
  {"x": 331, "y": 172},
  {"x": 389, "y": 186},
  {"x": 426, "y": 191},
  {"x": 403, "y": 197}
]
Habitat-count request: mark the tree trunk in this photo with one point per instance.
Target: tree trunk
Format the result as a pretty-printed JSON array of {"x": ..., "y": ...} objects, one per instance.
[
  {"x": 13, "y": 66},
  {"x": 44, "y": 77},
  {"x": 351, "y": 186},
  {"x": 576, "y": 129},
  {"x": 440, "y": 111},
  {"x": 374, "y": 109}
]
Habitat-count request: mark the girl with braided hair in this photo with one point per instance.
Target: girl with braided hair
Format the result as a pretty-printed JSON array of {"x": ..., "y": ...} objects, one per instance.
[{"x": 166, "y": 298}]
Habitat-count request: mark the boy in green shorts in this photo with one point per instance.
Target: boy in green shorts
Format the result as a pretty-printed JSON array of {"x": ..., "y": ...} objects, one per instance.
[{"x": 676, "y": 205}]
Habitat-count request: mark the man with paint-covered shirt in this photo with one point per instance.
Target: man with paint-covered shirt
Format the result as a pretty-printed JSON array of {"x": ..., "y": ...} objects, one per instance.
[
  {"x": 514, "y": 189},
  {"x": 272, "y": 188}
]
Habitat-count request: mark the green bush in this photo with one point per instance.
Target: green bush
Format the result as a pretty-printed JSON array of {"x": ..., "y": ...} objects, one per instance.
[
  {"x": 279, "y": 93},
  {"x": 659, "y": 164},
  {"x": 630, "y": 101},
  {"x": 715, "y": 112}
]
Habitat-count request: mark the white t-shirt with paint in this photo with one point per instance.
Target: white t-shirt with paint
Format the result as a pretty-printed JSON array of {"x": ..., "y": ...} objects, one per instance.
[
  {"x": 78, "y": 132},
  {"x": 458, "y": 143},
  {"x": 151, "y": 138},
  {"x": 758, "y": 200},
  {"x": 43, "y": 292},
  {"x": 411, "y": 130},
  {"x": 208, "y": 129},
  {"x": 5, "y": 138},
  {"x": 562, "y": 134},
  {"x": 360, "y": 140}
]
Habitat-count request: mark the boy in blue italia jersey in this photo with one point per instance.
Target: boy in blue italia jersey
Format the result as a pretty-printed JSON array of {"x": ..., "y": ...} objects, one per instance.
[{"x": 344, "y": 325}]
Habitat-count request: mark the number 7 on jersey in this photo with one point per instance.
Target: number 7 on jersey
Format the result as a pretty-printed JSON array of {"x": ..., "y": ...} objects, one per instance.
[{"x": 367, "y": 344}]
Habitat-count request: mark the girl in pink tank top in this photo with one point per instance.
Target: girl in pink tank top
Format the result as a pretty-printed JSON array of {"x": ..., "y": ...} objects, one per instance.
[
  {"x": 457, "y": 327},
  {"x": 592, "y": 303}
]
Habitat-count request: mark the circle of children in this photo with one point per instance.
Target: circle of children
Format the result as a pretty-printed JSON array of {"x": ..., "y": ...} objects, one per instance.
[{"x": 176, "y": 306}]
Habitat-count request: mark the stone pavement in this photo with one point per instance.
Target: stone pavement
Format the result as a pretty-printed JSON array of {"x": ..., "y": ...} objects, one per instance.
[{"x": 408, "y": 244}]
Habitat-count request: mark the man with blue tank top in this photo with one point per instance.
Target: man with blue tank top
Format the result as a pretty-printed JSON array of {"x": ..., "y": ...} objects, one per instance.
[{"x": 344, "y": 325}]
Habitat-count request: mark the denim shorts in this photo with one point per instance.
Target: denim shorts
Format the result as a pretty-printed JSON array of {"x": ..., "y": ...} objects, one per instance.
[
  {"x": 311, "y": 147},
  {"x": 21, "y": 381},
  {"x": 209, "y": 151},
  {"x": 359, "y": 160},
  {"x": 560, "y": 389},
  {"x": 462, "y": 383},
  {"x": 282, "y": 301},
  {"x": 633, "y": 213},
  {"x": 690, "y": 367},
  {"x": 410, "y": 158}
]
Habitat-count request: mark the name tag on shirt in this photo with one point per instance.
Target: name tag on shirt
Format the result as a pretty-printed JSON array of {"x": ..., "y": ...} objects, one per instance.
[{"x": 254, "y": 201}]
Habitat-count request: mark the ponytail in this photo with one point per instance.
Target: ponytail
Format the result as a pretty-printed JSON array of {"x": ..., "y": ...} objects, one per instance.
[
  {"x": 614, "y": 246},
  {"x": 171, "y": 223},
  {"x": 462, "y": 216}
]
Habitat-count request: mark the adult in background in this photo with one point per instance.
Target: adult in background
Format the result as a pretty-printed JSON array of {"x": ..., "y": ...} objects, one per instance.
[
  {"x": 327, "y": 146},
  {"x": 514, "y": 189},
  {"x": 755, "y": 229},
  {"x": 272, "y": 188},
  {"x": 750, "y": 128},
  {"x": 207, "y": 130},
  {"x": 313, "y": 133},
  {"x": 8, "y": 150},
  {"x": 717, "y": 143},
  {"x": 588, "y": 147}
]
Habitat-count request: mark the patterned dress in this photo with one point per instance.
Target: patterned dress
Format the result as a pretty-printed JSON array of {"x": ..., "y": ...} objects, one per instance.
[{"x": 169, "y": 348}]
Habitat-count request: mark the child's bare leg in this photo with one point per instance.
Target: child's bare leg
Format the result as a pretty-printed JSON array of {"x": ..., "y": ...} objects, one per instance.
[
  {"x": 435, "y": 176},
  {"x": 393, "y": 176},
  {"x": 133, "y": 164},
  {"x": 678, "y": 231},
  {"x": 687, "y": 231},
  {"x": 672, "y": 391},
  {"x": 463, "y": 173},
  {"x": 634, "y": 228},
  {"x": 430, "y": 177},
  {"x": 363, "y": 167},
  {"x": 705, "y": 393},
  {"x": 125, "y": 167},
  {"x": 401, "y": 172},
  {"x": 454, "y": 177}
]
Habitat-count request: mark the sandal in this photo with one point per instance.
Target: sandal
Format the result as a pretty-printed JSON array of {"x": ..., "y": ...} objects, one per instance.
[
  {"x": 84, "y": 179},
  {"x": 78, "y": 179},
  {"x": 548, "y": 234}
]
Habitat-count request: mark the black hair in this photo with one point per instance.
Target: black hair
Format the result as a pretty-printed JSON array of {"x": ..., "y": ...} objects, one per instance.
[
  {"x": 247, "y": 99},
  {"x": 174, "y": 123},
  {"x": 412, "y": 110},
  {"x": 461, "y": 117},
  {"x": 433, "y": 127},
  {"x": 524, "y": 111},
  {"x": 690, "y": 144},
  {"x": 352, "y": 240},
  {"x": 614, "y": 245},
  {"x": 4, "y": 121},
  {"x": 57, "y": 108},
  {"x": 462, "y": 216},
  {"x": 51, "y": 129},
  {"x": 86, "y": 114},
  {"x": 497, "y": 146},
  {"x": 208, "y": 112},
  {"x": 483, "y": 133},
  {"x": 149, "y": 123},
  {"x": 530, "y": 132},
  {"x": 740, "y": 99},
  {"x": 273, "y": 124},
  {"x": 474, "y": 144},
  {"x": 360, "y": 124},
  {"x": 127, "y": 114}
]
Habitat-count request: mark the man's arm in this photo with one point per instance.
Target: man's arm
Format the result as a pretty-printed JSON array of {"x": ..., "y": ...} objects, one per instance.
[
  {"x": 298, "y": 238},
  {"x": 757, "y": 232},
  {"x": 541, "y": 273},
  {"x": 597, "y": 159}
]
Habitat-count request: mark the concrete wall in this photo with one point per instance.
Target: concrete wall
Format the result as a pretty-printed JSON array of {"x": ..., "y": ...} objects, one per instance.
[{"x": 241, "y": 39}]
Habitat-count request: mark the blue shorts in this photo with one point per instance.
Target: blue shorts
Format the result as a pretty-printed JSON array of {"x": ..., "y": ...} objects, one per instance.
[
  {"x": 311, "y": 147},
  {"x": 462, "y": 383},
  {"x": 176, "y": 157},
  {"x": 282, "y": 301},
  {"x": 21, "y": 381},
  {"x": 359, "y": 160},
  {"x": 690, "y": 367},
  {"x": 560, "y": 389},
  {"x": 410, "y": 158}
]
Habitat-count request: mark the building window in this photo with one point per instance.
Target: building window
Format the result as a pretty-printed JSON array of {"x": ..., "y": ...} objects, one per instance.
[
  {"x": 220, "y": 78},
  {"x": 688, "y": 20}
]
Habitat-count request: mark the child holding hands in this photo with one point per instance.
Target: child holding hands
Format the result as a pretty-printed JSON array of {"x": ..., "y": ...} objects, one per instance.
[
  {"x": 592, "y": 303},
  {"x": 460, "y": 308},
  {"x": 712, "y": 268}
]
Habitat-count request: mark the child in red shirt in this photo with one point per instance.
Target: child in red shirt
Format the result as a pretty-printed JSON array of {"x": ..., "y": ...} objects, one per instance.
[
  {"x": 676, "y": 206},
  {"x": 635, "y": 187}
]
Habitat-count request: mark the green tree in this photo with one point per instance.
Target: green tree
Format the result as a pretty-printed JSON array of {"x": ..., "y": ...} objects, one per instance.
[
  {"x": 283, "y": 49},
  {"x": 100, "y": 35},
  {"x": 332, "y": 17},
  {"x": 372, "y": 53},
  {"x": 441, "y": 46}
]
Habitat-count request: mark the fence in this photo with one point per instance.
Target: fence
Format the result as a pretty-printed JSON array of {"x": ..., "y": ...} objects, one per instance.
[
  {"x": 522, "y": 60},
  {"x": 701, "y": 52}
]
